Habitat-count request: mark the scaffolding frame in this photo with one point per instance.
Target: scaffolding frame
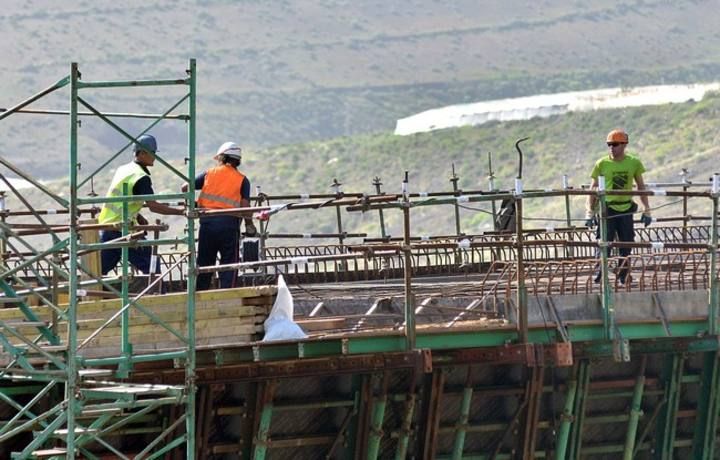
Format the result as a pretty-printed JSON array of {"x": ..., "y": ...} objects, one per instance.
[{"x": 93, "y": 387}]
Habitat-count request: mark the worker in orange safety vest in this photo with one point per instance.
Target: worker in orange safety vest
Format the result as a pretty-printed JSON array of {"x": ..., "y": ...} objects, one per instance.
[{"x": 222, "y": 187}]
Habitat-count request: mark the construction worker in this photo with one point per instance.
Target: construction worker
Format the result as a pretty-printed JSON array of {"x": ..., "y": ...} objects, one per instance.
[
  {"x": 222, "y": 187},
  {"x": 137, "y": 177},
  {"x": 620, "y": 169}
]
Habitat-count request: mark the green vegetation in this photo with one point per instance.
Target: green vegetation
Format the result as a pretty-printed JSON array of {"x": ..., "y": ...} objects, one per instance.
[
  {"x": 667, "y": 138},
  {"x": 273, "y": 73}
]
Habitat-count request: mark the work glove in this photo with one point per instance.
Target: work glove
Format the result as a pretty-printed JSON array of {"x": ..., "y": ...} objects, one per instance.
[
  {"x": 590, "y": 219},
  {"x": 250, "y": 229},
  {"x": 646, "y": 217}
]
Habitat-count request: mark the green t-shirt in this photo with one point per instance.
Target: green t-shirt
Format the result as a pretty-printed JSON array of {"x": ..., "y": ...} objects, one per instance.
[{"x": 619, "y": 175}]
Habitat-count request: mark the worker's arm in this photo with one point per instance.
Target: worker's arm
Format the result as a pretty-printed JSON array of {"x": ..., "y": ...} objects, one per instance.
[
  {"x": 646, "y": 217},
  {"x": 162, "y": 208},
  {"x": 590, "y": 205},
  {"x": 644, "y": 199},
  {"x": 250, "y": 229}
]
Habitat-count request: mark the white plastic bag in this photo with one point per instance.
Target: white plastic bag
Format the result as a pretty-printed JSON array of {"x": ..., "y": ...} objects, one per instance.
[{"x": 280, "y": 325}]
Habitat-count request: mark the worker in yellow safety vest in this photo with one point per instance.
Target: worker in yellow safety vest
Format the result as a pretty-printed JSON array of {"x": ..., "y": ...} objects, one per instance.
[
  {"x": 222, "y": 187},
  {"x": 137, "y": 178}
]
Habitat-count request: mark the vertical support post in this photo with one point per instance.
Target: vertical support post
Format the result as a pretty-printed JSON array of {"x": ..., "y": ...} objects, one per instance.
[
  {"x": 263, "y": 432},
  {"x": 579, "y": 410},
  {"x": 635, "y": 412},
  {"x": 338, "y": 194},
  {"x": 570, "y": 250},
  {"x": 377, "y": 183},
  {"x": 713, "y": 294},
  {"x": 567, "y": 417},
  {"x": 376, "y": 419},
  {"x": 521, "y": 290},
  {"x": 491, "y": 189},
  {"x": 565, "y": 186},
  {"x": 683, "y": 174},
  {"x": 666, "y": 425},
  {"x": 607, "y": 298},
  {"x": 190, "y": 378},
  {"x": 705, "y": 432},
  {"x": 125, "y": 346},
  {"x": 532, "y": 413},
  {"x": 454, "y": 179},
  {"x": 432, "y": 414},
  {"x": 71, "y": 385},
  {"x": 407, "y": 257},
  {"x": 462, "y": 425},
  {"x": 404, "y": 437}
]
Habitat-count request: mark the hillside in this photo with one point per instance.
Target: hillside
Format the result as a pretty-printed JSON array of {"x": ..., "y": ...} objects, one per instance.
[
  {"x": 667, "y": 138},
  {"x": 281, "y": 72}
]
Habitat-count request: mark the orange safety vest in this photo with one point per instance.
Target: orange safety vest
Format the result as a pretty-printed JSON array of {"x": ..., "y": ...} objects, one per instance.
[{"x": 221, "y": 188}]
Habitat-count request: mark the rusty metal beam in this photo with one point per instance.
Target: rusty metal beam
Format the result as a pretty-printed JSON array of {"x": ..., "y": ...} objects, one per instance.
[
  {"x": 432, "y": 414},
  {"x": 259, "y": 371}
]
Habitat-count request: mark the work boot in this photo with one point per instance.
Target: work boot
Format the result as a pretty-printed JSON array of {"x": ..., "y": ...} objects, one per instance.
[
  {"x": 624, "y": 278},
  {"x": 597, "y": 278}
]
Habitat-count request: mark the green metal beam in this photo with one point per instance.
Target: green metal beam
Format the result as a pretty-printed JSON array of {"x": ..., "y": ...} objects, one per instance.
[
  {"x": 377, "y": 415},
  {"x": 567, "y": 417},
  {"x": 705, "y": 433},
  {"x": 583, "y": 379},
  {"x": 635, "y": 413},
  {"x": 461, "y": 427},
  {"x": 404, "y": 436},
  {"x": 263, "y": 431},
  {"x": 667, "y": 421}
]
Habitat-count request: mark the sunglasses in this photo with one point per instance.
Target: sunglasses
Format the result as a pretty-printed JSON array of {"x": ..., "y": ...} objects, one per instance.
[{"x": 614, "y": 144}]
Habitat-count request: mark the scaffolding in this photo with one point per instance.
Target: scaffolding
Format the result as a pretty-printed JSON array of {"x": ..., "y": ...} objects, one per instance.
[
  {"x": 95, "y": 400},
  {"x": 467, "y": 366}
]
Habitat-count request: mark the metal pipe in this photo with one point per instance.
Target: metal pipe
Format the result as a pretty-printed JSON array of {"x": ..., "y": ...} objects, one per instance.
[
  {"x": 376, "y": 420},
  {"x": 71, "y": 384},
  {"x": 566, "y": 421},
  {"x": 134, "y": 83},
  {"x": 713, "y": 288},
  {"x": 107, "y": 114},
  {"x": 607, "y": 301},
  {"x": 635, "y": 412},
  {"x": 407, "y": 272},
  {"x": 263, "y": 430},
  {"x": 404, "y": 436},
  {"x": 461, "y": 426},
  {"x": 191, "y": 359},
  {"x": 521, "y": 296},
  {"x": 376, "y": 182},
  {"x": 59, "y": 84}
]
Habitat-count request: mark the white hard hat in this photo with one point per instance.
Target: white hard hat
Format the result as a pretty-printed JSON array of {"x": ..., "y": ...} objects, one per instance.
[{"x": 231, "y": 149}]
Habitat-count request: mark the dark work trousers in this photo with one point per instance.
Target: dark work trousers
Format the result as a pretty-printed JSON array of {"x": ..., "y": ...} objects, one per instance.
[
  {"x": 218, "y": 234},
  {"x": 138, "y": 257},
  {"x": 620, "y": 228}
]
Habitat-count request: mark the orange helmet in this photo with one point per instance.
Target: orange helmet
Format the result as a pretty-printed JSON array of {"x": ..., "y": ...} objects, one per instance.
[{"x": 617, "y": 135}]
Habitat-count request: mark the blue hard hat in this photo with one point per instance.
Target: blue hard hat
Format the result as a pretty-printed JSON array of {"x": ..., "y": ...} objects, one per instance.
[{"x": 146, "y": 143}]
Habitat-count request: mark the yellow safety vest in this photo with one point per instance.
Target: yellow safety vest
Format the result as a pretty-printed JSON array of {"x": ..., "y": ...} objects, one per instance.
[{"x": 129, "y": 174}]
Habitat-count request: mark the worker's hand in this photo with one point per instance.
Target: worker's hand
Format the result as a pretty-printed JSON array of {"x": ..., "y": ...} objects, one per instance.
[
  {"x": 590, "y": 220},
  {"x": 262, "y": 216},
  {"x": 646, "y": 217},
  {"x": 250, "y": 229},
  {"x": 141, "y": 220}
]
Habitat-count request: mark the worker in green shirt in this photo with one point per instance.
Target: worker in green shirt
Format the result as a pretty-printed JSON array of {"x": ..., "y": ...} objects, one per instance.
[{"x": 620, "y": 169}]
